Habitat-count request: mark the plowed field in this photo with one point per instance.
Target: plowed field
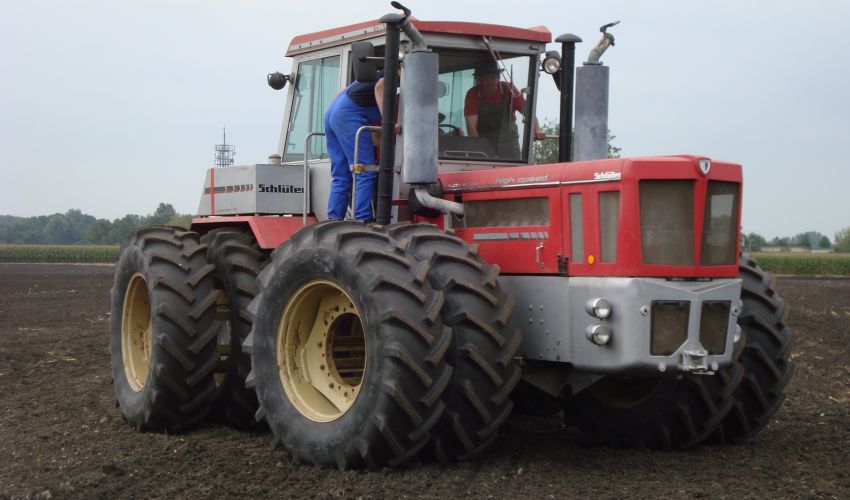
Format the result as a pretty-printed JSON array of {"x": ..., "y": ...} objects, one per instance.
[{"x": 62, "y": 436}]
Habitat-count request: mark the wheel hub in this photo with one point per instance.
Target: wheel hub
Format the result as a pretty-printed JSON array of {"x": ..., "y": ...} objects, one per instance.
[
  {"x": 321, "y": 351},
  {"x": 136, "y": 333}
]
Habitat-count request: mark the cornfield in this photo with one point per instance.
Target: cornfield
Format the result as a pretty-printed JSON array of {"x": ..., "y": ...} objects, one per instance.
[
  {"x": 809, "y": 264},
  {"x": 67, "y": 254},
  {"x": 783, "y": 263}
]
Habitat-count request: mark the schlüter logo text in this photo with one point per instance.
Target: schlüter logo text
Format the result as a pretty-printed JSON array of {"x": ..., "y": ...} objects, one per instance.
[
  {"x": 606, "y": 176},
  {"x": 280, "y": 188}
]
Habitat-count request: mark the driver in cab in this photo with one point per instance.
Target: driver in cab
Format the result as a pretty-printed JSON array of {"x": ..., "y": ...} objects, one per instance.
[{"x": 490, "y": 111}]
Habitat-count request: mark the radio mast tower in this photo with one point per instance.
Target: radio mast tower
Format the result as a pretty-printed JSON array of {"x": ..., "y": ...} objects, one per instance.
[{"x": 224, "y": 152}]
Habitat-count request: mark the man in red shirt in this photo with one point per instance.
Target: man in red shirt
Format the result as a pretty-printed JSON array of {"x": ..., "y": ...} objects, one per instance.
[{"x": 490, "y": 110}]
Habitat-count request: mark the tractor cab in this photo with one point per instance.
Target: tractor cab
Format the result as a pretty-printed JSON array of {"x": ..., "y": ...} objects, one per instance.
[
  {"x": 470, "y": 55},
  {"x": 323, "y": 65}
]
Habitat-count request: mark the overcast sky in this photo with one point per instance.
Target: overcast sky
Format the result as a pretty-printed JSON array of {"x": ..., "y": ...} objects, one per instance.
[{"x": 114, "y": 106}]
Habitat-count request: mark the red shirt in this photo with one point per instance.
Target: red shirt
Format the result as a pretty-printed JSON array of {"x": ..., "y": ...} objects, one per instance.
[{"x": 476, "y": 94}]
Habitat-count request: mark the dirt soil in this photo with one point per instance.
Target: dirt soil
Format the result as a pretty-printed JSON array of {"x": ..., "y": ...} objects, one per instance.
[{"x": 62, "y": 436}]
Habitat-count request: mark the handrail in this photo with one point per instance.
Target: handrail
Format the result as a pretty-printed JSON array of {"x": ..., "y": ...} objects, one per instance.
[
  {"x": 306, "y": 206},
  {"x": 357, "y": 168}
]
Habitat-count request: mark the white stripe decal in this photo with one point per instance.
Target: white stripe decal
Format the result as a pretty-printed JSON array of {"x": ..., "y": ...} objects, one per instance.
[{"x": 510, "y": 236}]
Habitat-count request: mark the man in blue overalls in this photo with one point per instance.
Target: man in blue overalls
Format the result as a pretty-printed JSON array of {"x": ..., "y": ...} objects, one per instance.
[{"x": 354, "y": 107}]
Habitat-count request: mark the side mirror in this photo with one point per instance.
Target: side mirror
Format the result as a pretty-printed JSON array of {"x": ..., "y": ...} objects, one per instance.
[
  {"x": 277, "y": 80},
  {"x": 362, "y": 57}
]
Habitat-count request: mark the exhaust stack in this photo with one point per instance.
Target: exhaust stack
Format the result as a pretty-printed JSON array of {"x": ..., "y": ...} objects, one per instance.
[
  {"x": 419, "y": 121},
  {"x": 592, "y": 82}
]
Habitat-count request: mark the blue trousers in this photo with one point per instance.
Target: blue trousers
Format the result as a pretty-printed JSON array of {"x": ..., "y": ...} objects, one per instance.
[{"x": 342, "y": 119}]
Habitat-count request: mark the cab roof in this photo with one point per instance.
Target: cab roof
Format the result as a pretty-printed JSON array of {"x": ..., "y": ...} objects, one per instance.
[{"x": 346, "y": 34}]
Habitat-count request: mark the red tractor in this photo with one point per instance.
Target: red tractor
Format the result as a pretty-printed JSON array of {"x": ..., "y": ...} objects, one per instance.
[{"x": 612, "y": 290}]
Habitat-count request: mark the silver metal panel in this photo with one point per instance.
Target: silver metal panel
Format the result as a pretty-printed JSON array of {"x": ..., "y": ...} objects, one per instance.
[
  {"x": 591, "y": 122},
  {"x": 419, "y": 117},
  {"x": 253, "y": 189},
  {"x": 551, "y": 312},
  {"x": 320, "y": 188}
]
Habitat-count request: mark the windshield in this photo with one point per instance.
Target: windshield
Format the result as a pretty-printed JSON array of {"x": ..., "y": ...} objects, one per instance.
[{"x": 483, "y": 105}]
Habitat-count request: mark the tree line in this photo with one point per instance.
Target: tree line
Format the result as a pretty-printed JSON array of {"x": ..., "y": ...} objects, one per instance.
[
  {"x": 74, "y": 227},
  {"x": 810, "y": 240}
]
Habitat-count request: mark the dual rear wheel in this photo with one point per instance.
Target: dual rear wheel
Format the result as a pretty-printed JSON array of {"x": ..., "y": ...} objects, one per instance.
[{"x": 371, "y": 345}]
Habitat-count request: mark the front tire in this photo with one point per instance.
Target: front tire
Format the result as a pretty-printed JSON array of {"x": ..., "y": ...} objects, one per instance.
[
  {"x": 161, "y": 345},
  {"x": 348, "y": 348},
  {"x": 766, "y": 356},
  {"x": 482, "y": 354},
  {"x": 655, "y": 413}
]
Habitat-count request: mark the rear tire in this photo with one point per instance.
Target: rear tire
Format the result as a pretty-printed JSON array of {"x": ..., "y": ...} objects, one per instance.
[
  {"x": 237, "y": 260},
  {"x": 765, "y": 357},
  {"x": 482, "y": 354},
  {"x": 161, "y": 345},
  {"x": 347, "y": 348}
]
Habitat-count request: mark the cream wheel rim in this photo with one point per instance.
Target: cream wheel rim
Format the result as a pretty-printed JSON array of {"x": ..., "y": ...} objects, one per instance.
[
  {"x": 136, "y": 333},
  {"x": 321, "y": 351}
]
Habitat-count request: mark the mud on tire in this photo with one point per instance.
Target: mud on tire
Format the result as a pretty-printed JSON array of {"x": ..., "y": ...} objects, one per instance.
[
  {"x": 348, "y": 350},
  {"x": 766, "y": 354},
  {"x": 161, "y": 345},
  {"x": 482, "y": 353},
  {"x": 237, "y": 260}
]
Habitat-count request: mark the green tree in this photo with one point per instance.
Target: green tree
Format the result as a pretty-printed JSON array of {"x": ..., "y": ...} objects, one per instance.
[
  {"x": 121, "y": 228},
  {"x": 809, "y": 239},
  {"x": 164, "y": 212},
  {"x": 181, "y": 220},
  {"x": 824, "y": 242},
  {"x": 780, "y": 242},
  {"x": 546, "y": 151},
  {"x": 98, "y": 233},
  {"x": 842, "y": 240},
  {"x": 755, "y": 242}
]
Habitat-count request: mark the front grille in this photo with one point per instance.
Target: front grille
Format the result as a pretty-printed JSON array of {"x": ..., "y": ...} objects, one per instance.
[
  {"x": 713, "y": 325},
  {"x": 513, "y": 212},
  {"x": 669, "y": 326},
  {"x": 720, "y": 224},
  {"x": 667, "y": 222}
]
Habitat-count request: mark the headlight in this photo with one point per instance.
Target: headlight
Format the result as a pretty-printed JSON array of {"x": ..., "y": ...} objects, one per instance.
[
  {"x": 598, "y": 334},
  {"x": 599, "y": 308}
]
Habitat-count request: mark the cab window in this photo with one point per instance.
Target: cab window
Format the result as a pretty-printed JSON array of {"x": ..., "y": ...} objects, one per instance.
[
  {"x": 316, "y": 84},
  {"x": 501, "y": 131}
]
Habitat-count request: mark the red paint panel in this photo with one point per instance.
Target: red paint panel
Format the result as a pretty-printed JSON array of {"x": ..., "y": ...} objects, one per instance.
[
  {"x": 212, "y": 191},
  {"x": 269, "y": 230},
  {"x": 369, "y": 29},
  {"x": 590, "y": 179}
]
